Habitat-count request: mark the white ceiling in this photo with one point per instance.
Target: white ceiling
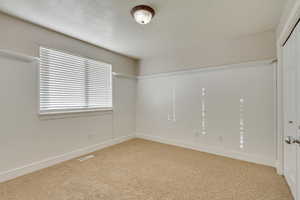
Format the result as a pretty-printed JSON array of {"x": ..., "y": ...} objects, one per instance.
[{"x": 178, "y": 24}]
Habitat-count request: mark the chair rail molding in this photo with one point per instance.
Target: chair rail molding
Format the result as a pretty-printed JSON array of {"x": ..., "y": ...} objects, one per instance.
[
  {"x": 194, "y": 70},
  {"x": 17, "y": 56}
]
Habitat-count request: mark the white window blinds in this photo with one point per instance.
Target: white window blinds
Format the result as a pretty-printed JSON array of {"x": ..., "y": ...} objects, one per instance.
[{"x": 70, "y": 83}]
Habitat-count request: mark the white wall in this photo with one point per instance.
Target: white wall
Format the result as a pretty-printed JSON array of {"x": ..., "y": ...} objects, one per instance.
[
  {"x": 224, "y": 88},
  {"x": 23, "y": 37},
  {"x": 124, "y": 105},
  {"x": 245, "y": 48},
  {"x": 25, "y": 138}
]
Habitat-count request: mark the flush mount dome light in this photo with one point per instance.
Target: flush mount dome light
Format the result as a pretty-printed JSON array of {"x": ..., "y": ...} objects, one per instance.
[{"x": 142, "y": 14}]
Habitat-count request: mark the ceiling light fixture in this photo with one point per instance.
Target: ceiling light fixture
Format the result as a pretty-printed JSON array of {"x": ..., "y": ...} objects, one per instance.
[{"x": 142, "y": 14}]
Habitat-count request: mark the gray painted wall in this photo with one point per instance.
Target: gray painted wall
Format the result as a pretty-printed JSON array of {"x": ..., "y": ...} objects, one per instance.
[
  {"x": 230, "y": 51},
  {"x": 24, "y": 37}
]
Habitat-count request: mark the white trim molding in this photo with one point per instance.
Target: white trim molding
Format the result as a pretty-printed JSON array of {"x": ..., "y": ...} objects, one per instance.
[
  {"x": 14, "y": 173},
  {"x": 17, "y": 56},
  {"x": 278, "y": 119},
  {"x": 119, "y": 75},
  {"x": 213, "y": 150},
  {"x": 194, "y": 70},
  {"x": 282, "y": 34},
  {"x": 278, "y": 168}
]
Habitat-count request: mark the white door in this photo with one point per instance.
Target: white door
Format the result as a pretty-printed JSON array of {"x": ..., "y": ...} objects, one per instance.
[{"x": 290, "y": 107}]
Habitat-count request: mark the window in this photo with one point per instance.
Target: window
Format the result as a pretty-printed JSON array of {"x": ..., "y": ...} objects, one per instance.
[{"x": 70, "y": 83}]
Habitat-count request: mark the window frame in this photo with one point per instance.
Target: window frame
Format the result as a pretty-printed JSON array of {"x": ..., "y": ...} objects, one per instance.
[{"x": 58, "y": 113}]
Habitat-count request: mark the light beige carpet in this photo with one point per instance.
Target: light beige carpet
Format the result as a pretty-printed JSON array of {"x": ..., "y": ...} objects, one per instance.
[{"x": 143, "y": 170}]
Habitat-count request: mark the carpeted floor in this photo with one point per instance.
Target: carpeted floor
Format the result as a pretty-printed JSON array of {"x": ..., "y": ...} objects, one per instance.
[{"x": 143, "y": 170}]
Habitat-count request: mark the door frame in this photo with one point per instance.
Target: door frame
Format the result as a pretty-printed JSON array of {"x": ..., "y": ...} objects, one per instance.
[
  {"x": 288, "y": 27},
  {"x": 282, "y": 37}
]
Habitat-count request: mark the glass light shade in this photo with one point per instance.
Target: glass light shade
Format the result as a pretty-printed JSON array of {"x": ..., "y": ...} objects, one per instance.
[{"x": 142, "y": 16}]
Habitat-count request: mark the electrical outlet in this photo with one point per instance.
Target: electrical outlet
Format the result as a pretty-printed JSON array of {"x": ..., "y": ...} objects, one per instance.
[
  {"x": 220, "y": 139},
  {"x": 91, "y": 136}
]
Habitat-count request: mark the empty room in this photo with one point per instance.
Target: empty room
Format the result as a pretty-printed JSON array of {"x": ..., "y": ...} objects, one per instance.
[{"x": 150, "y": 100}]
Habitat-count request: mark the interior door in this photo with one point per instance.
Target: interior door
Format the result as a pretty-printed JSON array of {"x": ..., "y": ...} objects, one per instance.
[{"x": 290, "y": 116}]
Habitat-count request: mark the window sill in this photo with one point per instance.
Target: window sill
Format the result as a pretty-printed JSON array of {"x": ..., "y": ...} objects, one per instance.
[{"x": 74, "y": 113}]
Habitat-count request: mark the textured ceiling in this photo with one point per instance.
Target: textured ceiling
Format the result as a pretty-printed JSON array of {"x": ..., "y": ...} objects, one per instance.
[{"x": 178, "y": 24}]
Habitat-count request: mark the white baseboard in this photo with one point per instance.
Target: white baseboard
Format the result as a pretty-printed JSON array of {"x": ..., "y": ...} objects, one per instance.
[
  {"x": 14, "y": 173},
  {"x": 279, "y": 168},
  {"x": 213, "y": 150}
]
